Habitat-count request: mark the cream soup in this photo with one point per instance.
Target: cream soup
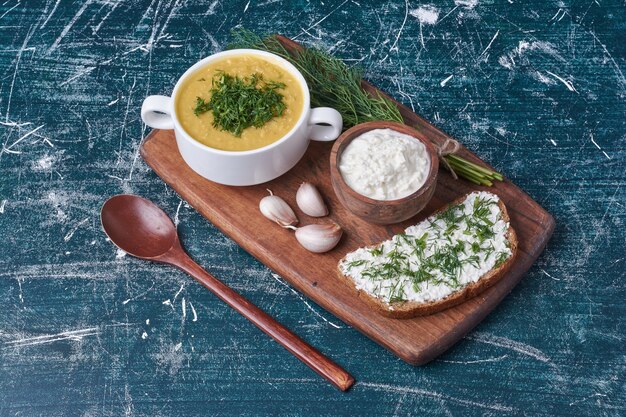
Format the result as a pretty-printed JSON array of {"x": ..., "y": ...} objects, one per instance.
[{"x": 198, "y": 84}]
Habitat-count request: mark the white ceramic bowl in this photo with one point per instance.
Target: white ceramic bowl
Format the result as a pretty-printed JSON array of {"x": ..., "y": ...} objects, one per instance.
[{"x": 245, "y": 167}]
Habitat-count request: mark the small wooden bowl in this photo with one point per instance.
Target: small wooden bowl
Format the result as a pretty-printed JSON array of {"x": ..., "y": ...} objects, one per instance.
[{"x": 382, "y": 211}]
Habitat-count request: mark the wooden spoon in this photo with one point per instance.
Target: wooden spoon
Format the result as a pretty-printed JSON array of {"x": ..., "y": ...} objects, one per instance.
[{"x": 140, "y": 228}]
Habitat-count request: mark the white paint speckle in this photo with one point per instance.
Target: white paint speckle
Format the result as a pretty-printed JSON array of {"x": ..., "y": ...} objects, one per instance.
[
  {"x": 57, "y": 202},
  {"x": 144, "y": 335},
  {"x": 519, "y": 53},
  {"x": 278, "y": 279},
  {"x": 193, "y": 311},
  {"x": 119, "y": 253},
  {"x": 182, "y": 286},
  {"x": 444, "y": 82},
  {"x": 468, "y": 4},
  {"x": 176, "y": 219},
  {"x": 44, "y": 163},
  {"x": 21, "y": 295},
  {"x": 73, "y": 230},
  {"x": 538, "y": 75},
  {"x": 522, "y": 46},
  {"x": 505, "y": 62},
  {"x": 427, "y": 15},
  {"x": 504, "y": 342},
  {"x": 74, "y": 335},
  {"x": 598, "y": 146},
  {"x": 501, "y": 131},
  {"x": 211, "y": 9},
  {"x": 490, "y": 43},
  {"x": 567, "y": 84}
]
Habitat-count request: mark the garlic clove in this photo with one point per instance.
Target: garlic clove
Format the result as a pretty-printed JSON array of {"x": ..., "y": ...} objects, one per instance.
[
  {"x": 310, "y": 200},
  {"x": 319, "y": 238},
  {"x": 276, "y": 209}
]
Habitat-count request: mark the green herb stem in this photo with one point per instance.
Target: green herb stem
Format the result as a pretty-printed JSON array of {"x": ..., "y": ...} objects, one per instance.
[
  {"x": 468, "y": 173},
  {"x": 475, "y": 167}
]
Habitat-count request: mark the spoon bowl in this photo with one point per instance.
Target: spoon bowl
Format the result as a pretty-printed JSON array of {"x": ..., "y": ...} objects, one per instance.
[{"x": 138, "y": 226}]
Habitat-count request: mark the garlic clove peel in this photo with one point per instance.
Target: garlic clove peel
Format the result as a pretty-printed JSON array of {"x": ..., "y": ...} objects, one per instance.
[
  {"x": 310, "y": 200},
  {"x": 319, "y": 238},
  {"x": 276, "y": 209}
]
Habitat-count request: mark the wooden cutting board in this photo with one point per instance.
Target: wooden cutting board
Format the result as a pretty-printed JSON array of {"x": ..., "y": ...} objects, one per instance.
[{"x": 234, "y": 210}]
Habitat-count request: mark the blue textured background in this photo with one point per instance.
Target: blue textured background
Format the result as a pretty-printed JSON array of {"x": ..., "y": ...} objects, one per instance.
[{"x": 535, "y": 88}]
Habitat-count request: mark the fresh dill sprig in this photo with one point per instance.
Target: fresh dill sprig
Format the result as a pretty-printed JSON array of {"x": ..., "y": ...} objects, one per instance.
[
  {"x": 334, "y": 84},
  {"x": 239, "y": 103}
]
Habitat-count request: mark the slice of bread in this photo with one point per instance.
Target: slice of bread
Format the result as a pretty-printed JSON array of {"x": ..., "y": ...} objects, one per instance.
[{"x": 410, "y": 309}]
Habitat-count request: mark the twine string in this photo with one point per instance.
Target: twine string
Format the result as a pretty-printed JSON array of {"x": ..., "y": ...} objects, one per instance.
[{"x": 449, "y": 147}]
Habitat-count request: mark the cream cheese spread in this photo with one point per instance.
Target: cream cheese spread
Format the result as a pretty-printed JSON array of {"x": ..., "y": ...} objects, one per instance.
[
  {"x": 384, "y": 164},
  {"x": 436, "y": 257}
]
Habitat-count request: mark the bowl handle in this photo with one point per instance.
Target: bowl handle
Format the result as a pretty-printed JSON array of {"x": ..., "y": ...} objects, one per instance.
[
  {"x": 156, "y": 112},
  {"x": 325, "y": 124}
]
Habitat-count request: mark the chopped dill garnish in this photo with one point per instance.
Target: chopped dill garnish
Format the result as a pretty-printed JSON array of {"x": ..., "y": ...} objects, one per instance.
[
  {"x": 356, "y": 263},
  {"x": 396, "y": 293},
  {"x": 451, "y": 215},
  {"x": 376, "y": 251},
  {"x": 480, "y": 230},
  {"x": 476, "y": 247},
  {"x": 489, "y": 250},
  {"x": 239, "y": 103},
  {"x": 418, "y": 245},
  {"x": 473, "y": 260},
  {"x": 482, "y": 210},
  {"x": 501, "y": 258}
]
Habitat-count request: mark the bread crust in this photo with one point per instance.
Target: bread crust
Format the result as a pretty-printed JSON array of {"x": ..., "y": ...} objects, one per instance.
[{"x": 411, "y": 309}]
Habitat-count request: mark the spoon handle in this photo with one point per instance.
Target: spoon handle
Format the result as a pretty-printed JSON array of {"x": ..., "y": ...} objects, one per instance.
[{"x": 289, "y": 340}]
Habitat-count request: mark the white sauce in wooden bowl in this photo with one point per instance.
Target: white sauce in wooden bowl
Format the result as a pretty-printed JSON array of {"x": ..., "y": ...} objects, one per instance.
[{"x": 384, "y": 164}]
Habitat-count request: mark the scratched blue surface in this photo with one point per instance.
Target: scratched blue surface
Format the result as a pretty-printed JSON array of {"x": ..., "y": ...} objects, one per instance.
[{"x": 535, "y": 88}]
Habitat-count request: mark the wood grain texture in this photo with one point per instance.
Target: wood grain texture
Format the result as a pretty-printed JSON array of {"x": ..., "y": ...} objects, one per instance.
[{"x": 85, "y": 330}]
